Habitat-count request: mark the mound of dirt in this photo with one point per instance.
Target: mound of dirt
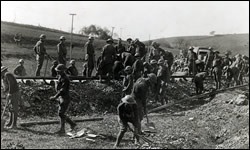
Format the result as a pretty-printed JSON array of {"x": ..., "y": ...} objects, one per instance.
[{"x": 87, "y": 97}]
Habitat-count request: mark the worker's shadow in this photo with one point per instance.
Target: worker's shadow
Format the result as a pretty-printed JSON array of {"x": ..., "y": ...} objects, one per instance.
[{"x": 35, "y": 132}]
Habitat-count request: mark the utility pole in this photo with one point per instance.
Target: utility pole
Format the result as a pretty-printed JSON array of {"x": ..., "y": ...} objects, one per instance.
[
  {"x": 112, "y": 32},
  {"x": 71, "y": 35}
]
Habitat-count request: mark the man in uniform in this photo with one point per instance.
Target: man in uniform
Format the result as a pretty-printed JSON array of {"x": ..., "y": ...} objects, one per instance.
[
  {"x": 62, "y": 96},
  {"x": 217, "y": 69},
  {"x": 163, "y": 77},
  {"x": 62, "y": 51},
  {"x": 154, "y": 51},
  {"x": 140, "y": 93},
  {"x": 128, "y": 81},
  {"x": 119, "y": 47},
  {"x": 191, "y": 61},
  {"x": 209, "y": 61},
  {"x": 128, "y": 113},
  {"x": 107, "y": 59},
  {"x": 90, "y": 56},
  {"x": 40, "y": 51},
  {"x": 141, "y": 49},
  {"x": 154, "y": 66},
  {"x": 72, "y": 70},
  {"x": 13, "y": 95},
  {"x": 226, "y": 60},
  {"x": 131, "y": 46},
  {"x": 53, "y": 68},
  {"x": 20, "y": 70},
  {"x": 198, "y": 80},
  {"x": 137, "y": 67}
]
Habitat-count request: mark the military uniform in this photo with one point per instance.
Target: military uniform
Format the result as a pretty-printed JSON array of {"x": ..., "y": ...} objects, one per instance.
[
  {"x": 128, "y": 113},
  {"x": 40, "y": 51},
  {"x": 131, "y": 49},
  {"x": 139, "y": 92},
  {"x": 63, "y": 96},
  {"x": 128, "y": 59},
  {"x": 90, "y": 57},
  {"x": 191, "y": 62},
  {"x": 53, "y": 71},
  {"x": 72, "y": 70},
  {"x": 198, "y": 80},
  {"x": 155, "y": 53},
  {"x": 140, "y": 48},
  {"x": 128, "y": 83},
  {"x": 108, "y": 58},
  {"x": 217, "y": 71},
  {"x": 163, "y": 77},
  {"x": 11, "y": 88},
  {"x": 120, "y": 49},
  {"x": 169, "y": 57},
  {"x": 62, "y": 53},
  {"x": 20, "y": 70},
  {"x": 137, "y": 69}
]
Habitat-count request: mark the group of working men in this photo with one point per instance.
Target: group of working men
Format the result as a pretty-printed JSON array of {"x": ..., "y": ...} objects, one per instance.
[{"x": 142, "y": 76}]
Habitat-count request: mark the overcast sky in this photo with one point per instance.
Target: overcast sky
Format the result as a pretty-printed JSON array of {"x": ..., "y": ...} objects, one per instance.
[{"x": 137, "y": 19}]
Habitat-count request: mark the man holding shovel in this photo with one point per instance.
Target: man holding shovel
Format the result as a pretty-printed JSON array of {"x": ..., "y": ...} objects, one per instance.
[
  {"x": 128, "y": 112},
  {"x": 13, "y": 96},
  {"x": 62, "y": 96}
]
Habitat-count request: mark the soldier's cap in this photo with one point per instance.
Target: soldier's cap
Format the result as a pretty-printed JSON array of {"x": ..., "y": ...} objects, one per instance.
[
  {"x": 62, "y": 38},
  {"x": 42, "y": 36},
  {"x": 61, "y": 67},
  {"x": 91, "y": 38},
  {"x": 191, "y": 48},
  {"x": 245, "y": 57},
  {"x": 55, "y": 62},
  {"x": 226, "y": 53},
  {"x": 128, "y": 99},
  {"x": 186, "y": 68},
  {"x": 152, "y": 77},
  {"x": 21, "y": 61},
  {"x": 129, "y": 39},
  {"x": 161, "y": 61},
  {"x": 137, "y": 55},
  {"x": 145, "y": 63},
  {"x": 225, "y": 67},
  {"x": 3, "y": 68},
  {"x": 216, "y": 52},
  {"x": 72, "y": 62},
  {"x": 109, "y": 40},
  {"x": 153, "y": 61},
  {"x": 210, "y": 48},
  {"x": 154, "y": 43},
  {"x": 128, "y": 68}
]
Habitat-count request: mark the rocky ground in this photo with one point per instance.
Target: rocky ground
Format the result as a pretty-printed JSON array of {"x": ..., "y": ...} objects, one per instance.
[{"x": 218, "y": 122}]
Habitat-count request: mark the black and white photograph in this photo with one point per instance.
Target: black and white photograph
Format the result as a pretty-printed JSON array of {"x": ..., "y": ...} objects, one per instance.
[{"x": 124, "y": 74}]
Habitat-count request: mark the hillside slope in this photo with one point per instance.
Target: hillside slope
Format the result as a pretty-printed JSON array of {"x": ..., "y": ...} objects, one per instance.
[{"x": 237, "y": 43}]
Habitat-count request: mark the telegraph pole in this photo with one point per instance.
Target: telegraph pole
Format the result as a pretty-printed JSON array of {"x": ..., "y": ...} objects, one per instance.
[
  {"x": 71, "y": 35},
  {"x": 112, "y": 32}
]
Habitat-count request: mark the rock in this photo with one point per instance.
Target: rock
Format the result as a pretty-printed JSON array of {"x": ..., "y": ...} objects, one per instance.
[{"x": 241, "y": 100}]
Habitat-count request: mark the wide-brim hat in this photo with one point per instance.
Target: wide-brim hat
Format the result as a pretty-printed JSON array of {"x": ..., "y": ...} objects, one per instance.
[
  {"x": 61, "y": 67},
  {"x": 153, "y": 61},
  {"x": 129, "y": 39},
  {"x": 128, "y": 99},
  {"x": 3, "y": 68},
  {"x": 109, "y": 40},
  {"x": 137, "y": 55},
  {"x": 160, "y": 61},
  {"x": 62, "y": 38},
  {"x": 128, "y": 68}
]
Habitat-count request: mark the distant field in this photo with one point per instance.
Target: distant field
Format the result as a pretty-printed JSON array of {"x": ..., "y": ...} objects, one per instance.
[{"x": 237, "y": 43}]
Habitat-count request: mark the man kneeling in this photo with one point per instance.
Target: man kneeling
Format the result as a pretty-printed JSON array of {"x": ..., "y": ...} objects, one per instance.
[{"x": 128, "y": 112}]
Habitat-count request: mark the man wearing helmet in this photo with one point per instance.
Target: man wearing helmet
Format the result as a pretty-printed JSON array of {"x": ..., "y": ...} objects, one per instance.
[
  {"x": 20, "y": 70},
  {"x": 128, "y": 81},
  {"x": 72, "y": 70},
  {"x": 90, "y": 56},
  {"x": 137, "y": 67},
  {"x": 62, "y": 51},
  {"x": 40, "y": 51},
  {"x": 128, "y": 113},
  {"x": 63, "y": 97}
]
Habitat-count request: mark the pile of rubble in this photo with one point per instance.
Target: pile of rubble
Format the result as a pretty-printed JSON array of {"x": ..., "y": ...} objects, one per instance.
[{"x": 87, "y": 97}]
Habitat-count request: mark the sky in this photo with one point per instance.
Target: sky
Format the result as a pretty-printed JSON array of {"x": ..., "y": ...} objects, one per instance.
[{"x": 136, "y": 19}]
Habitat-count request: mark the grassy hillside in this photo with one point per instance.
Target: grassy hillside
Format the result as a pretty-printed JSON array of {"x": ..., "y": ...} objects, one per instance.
[{"x": 237, "y": 43}]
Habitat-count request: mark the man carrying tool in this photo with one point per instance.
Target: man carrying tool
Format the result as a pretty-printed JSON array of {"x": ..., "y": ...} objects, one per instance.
[
  {"x": 90, "y": 55},
  {"x": 140, "y": 93},
  {"x": 62, "y": 96},
  {"x": 62, "y": 51},
  {"x": 13, "y": 96},
  {"x": 40, "y": 52},
  {"x": 128, "y": 113},
  {"x": 20, "y": 70}
]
